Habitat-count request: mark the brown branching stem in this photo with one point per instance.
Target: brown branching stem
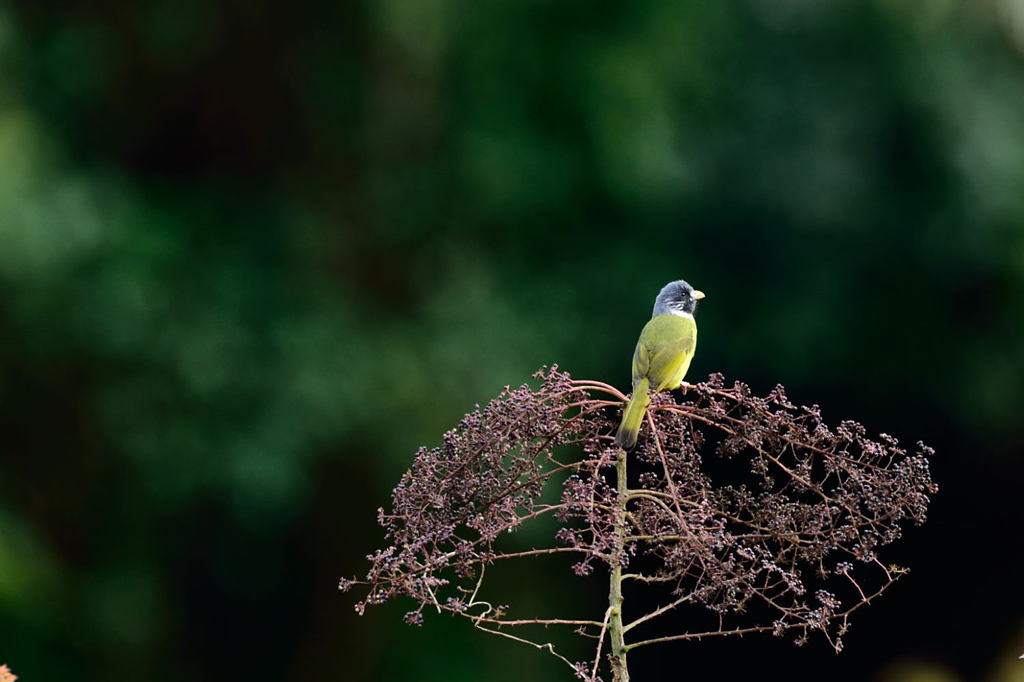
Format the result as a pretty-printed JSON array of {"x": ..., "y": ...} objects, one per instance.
[
  {"x": 797, "y": 534},
  {"x": 616, "y": 631}
]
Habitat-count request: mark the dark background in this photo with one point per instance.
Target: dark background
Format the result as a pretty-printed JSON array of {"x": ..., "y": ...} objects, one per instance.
[{"x": 253, "y": 254}]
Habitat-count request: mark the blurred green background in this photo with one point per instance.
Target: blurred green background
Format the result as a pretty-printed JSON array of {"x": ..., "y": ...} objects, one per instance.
[{"x": 253, "y": 254}]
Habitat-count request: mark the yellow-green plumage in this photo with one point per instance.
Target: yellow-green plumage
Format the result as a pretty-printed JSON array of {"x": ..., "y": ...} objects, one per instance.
[{"x": 662, "y": 356}]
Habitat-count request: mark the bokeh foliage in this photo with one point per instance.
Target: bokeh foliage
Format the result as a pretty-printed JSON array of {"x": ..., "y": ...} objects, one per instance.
[{"x": 252, "y": 255}]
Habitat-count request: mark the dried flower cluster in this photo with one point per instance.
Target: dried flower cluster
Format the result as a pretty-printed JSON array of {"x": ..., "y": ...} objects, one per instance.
[{"x": 747, "y": 507}]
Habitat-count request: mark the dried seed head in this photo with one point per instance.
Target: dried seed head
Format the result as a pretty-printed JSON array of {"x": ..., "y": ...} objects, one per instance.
[{"x": 735, "y": 501}]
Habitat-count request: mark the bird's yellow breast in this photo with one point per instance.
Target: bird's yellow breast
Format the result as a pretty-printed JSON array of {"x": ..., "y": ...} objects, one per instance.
[{"x": 664, "y": 351}]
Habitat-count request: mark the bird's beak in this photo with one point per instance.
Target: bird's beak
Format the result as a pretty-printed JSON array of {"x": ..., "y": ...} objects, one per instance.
[{"x": 697, "y": 294}]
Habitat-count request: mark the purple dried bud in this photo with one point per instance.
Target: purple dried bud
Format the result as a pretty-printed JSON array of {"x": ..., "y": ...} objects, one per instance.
[{"x": 790, "y": 498}]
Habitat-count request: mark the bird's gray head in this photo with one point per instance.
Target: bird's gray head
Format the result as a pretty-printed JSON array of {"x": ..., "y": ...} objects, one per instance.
[{"x": 677, "y": 298}]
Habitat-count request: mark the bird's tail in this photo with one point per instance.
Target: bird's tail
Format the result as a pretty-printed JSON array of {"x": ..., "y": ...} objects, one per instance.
[{"x": 633, "y": 416}]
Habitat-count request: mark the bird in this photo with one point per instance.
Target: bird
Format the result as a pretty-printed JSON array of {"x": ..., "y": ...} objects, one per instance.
[{"x": 663, "y": 354}]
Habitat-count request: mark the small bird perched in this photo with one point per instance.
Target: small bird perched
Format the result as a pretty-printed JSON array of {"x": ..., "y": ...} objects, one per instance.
[{"x": 662, "y": 355}]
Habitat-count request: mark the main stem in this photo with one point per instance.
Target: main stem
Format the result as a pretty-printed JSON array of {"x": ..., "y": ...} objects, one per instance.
[{"x": 615, "y": 632}]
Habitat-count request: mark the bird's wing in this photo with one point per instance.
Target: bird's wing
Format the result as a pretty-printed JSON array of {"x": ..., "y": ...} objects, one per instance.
[{"x": 641, "y": 363}]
